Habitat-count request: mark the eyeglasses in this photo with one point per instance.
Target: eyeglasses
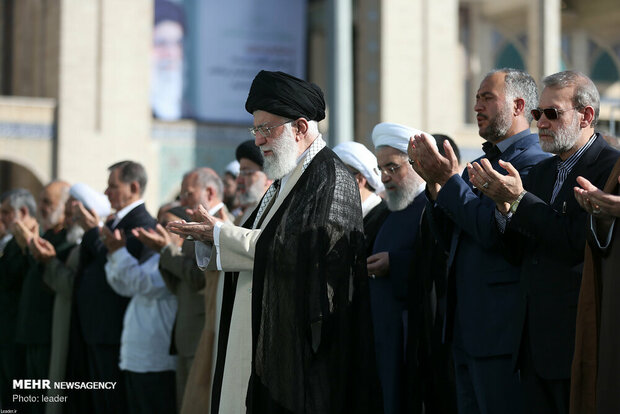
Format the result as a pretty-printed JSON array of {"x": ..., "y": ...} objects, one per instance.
[
  {"x": 550, "y": 113},
  {"x": 245, "y": 173},
  {"x": 265, "y": 131},
  {"x": 389, "y": 170}
]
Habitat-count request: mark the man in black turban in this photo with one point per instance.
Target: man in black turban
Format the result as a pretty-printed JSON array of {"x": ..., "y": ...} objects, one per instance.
[{"x": 299, "y": 268}]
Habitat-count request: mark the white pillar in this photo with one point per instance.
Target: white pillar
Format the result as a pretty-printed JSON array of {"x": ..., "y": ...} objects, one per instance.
[
  {"x": 340, "y": 84},
  {"x": 544, "y": 23}
]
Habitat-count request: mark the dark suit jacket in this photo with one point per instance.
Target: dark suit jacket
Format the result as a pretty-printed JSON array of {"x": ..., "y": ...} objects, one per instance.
[
  {"x": 34, "y": 316},
  {"x": 484, "y": 300},
  {"x": 13, "y": 265},
  {"x": 551, "y": 240},
  {"x": 100, "y": 309}
]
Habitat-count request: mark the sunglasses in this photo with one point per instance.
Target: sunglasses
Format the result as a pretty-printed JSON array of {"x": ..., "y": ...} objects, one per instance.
[{"x": 550, "y": 113}]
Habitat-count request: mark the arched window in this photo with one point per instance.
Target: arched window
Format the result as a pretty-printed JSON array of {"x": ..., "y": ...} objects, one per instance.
[
  {"x": 509, "y": 57},
  {"x": 604, "y": 69}
]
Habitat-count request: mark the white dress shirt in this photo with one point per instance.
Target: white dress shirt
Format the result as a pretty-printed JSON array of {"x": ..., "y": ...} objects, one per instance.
[{"x": 148, "y": 321}]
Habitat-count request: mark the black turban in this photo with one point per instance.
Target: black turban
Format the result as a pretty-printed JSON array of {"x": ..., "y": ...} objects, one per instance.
[
  {"x": 166, "y": 10},
  {"x": 282, "y": 94},
  {"x": 249, "y": 150}
]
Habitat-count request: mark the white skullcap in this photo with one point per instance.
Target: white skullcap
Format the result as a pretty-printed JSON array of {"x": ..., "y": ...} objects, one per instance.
[
  {"x": 91, "y": 199},
  {"x": 359, "y": 157},
  {"x": 394, "y": 135},
  {"x": 233, "y": 168}
]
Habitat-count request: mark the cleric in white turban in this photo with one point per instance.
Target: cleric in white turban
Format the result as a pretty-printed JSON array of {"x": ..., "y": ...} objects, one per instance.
[{"x": 363, "y": 165}]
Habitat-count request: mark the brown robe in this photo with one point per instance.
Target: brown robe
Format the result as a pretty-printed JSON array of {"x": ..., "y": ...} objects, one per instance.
[{"x": 597, "y": 343}]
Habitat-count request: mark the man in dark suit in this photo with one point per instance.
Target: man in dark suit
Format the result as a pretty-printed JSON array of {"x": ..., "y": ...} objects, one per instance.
[
  {"x": 546, "y": 232},
  {"x": 100, "y": 310},
  {"x": 483, "y": 289}
]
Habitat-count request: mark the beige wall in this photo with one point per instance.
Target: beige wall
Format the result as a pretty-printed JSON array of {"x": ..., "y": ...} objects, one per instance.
[{"x": 103, "y": 104}]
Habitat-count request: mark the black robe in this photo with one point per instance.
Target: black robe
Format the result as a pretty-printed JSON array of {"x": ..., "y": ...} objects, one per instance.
[
  {"x": 312, "y": 343},
  {"x": 372, "y": 223}
]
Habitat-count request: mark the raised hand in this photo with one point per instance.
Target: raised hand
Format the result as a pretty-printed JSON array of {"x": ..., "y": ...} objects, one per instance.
[
  {"x": 87, "y": 219},
  {"x": 155, "y": 239},
  {"x": 429, "y": 163},
  {"x": 25, "y": 231},
  {"x": 503, "y": 189},
  {"x": 42, "y": 250},
  {"x": 113, "y": 240},
  {"x": 596, "y": 201}
]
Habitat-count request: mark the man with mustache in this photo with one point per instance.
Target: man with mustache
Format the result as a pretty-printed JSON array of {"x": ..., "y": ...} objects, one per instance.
[
  {"x": 546, "y": 233},
  {"x": 483, "y": 288},
  {"x": 296, "y": 335}
]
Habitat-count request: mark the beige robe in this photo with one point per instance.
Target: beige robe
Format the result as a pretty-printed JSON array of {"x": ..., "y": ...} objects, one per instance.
[
  {"x": 60, "y": 277},
  {"x": 236, "y": 254},
  {"x": 597, "y": 284}
]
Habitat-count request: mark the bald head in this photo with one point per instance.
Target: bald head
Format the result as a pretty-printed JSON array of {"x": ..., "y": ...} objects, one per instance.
[
  {"x": 52, "y": 201},
  {"x": 201, "y": 186}
]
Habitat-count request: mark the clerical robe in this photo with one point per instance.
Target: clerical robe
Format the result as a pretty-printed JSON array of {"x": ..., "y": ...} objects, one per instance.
[
  {"x": 310, "y": 317},
  {"x": 595, "y": 375}
]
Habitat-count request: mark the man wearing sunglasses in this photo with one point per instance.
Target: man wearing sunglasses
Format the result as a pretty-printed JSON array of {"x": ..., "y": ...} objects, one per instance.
[
  {"x": 302, "y": 316},
  {"x": 545, "y": 231},
  {"x": 483, "y": 295}
]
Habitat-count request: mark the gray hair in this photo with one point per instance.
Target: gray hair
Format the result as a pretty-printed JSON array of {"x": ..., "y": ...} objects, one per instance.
[
  {"x": 585, "y": 93},
  {"x": 131, "y": 171},
  {"x": 519, "y": 84},
  {"x": 207, "y": 177},
  {"x": 19, "y": 198}
]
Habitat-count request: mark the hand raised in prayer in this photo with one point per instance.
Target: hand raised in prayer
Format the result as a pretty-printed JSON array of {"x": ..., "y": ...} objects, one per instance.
[
  {"x": 25, "y": 231},
  {"x": 378, "y": 265},
  {"x": 595, "y": 201},
  {"x": 503, "y": 189},
  {"x": 112, "y": 240},
  {"x": 200, "y": 229},
  {"x": 85, "y": 218},
  {"x": 155, "y": 239},
  {"x": 429, "y": 163},
  {"x": 42, "y": 250}
]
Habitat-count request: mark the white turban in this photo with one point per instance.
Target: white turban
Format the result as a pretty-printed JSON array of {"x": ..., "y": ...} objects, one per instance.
[
  {"x": 233, "y": 168},
  {"x": 359, "y": 157},
  {"x": 394, "y": 135},
  {"x": 91, "y": 199}
]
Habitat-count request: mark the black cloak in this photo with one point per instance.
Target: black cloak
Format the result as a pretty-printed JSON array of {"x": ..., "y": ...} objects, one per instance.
[{"x": 312, "y": 341}]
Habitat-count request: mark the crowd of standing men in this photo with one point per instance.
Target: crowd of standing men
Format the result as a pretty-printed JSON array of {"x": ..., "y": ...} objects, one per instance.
[{"x": 309, "y": 280}]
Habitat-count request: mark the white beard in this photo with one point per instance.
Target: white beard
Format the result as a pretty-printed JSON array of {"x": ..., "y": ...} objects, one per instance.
[
  {"x": 167, "y": 92},
  {"x": 74, "y": 234},
  {"x": 563, "y": 140},
  {"x": 403, "y": 194},
  {"x": 283, "y": 159}
]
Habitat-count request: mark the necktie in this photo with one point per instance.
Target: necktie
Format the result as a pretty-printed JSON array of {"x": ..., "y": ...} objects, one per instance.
[
  {"x": 491, "y": 150},
  {"x": 272, "y": 191}
]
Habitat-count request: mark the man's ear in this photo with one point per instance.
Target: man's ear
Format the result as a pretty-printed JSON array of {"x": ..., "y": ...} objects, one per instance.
[
  {"x": 588, "y": 117},
  {"x": 134, "y": 187},
  {"x": 302, "y": 128},
  {"x": 519, "y": 106}
]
